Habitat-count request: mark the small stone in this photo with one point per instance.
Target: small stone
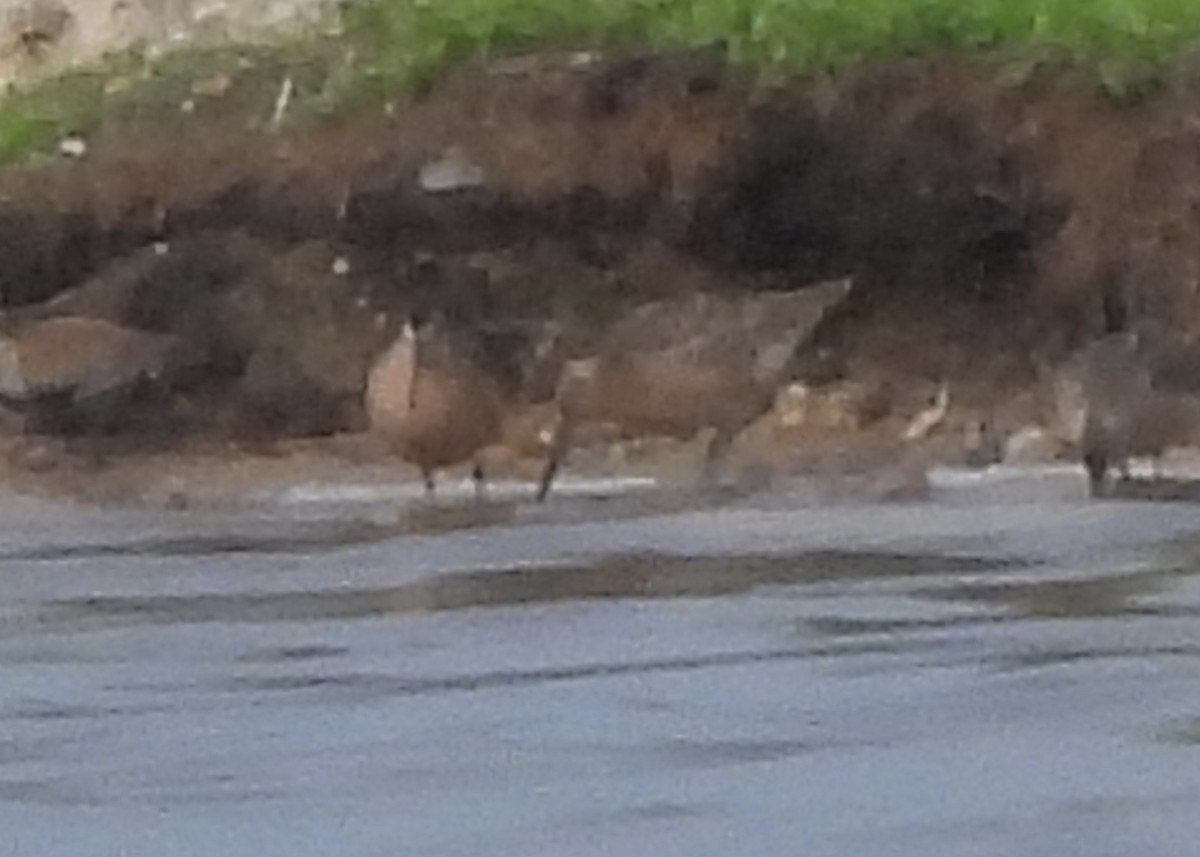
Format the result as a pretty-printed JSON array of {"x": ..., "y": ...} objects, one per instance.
[
  {"x": 341, "y": 266},
  {"x": 792, "y": 405},
  {"x": 832, "y": 407},
  {"x": 72, "y": 146},
  {"x": 453, "y": 172}
]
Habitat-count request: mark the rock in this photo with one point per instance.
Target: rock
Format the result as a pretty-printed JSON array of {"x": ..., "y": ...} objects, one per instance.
[
  {"x": 843, "y": 406},
  {"x": 453, "y": 172},
  {"x": 72, "y": 146},
  {"x": 78, "y": 372},
  {"x": 277, "y": 398},
  {"x": 1032, "y": 445},
  {"x": 80, "y": 356}
]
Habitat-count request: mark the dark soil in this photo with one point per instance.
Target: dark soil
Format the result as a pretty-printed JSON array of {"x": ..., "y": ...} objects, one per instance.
[{"x": 991, "y": 225}]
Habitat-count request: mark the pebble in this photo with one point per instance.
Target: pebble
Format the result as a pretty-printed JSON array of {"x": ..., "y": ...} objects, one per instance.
[{"x": 454, "y": 171}]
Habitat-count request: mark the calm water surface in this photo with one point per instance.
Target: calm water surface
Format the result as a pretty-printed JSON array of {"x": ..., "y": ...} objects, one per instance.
[{"x": 1002, "y": 671}]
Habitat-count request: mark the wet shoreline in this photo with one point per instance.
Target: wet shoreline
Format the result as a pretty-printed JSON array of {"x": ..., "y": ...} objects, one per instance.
[{"x": 894, "y": 678}]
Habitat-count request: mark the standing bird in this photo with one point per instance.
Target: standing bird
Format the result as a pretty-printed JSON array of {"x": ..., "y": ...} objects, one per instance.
[
  {"x": 1125, "y": 413},
  {"x": 676, "y": 367},
  {"x": 433, "y": 404}
]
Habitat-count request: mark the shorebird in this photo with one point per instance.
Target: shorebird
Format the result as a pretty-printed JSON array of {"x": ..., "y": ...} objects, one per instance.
[
  {"x": 1125, "y": 414},
  {"x": 64, "y": 368},
  {"x": 428, "y": 399},
  {"x": 676, "y": 367}
]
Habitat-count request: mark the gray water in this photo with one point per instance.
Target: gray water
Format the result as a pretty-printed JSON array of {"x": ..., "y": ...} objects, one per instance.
[{"x": 995, "y": 672}]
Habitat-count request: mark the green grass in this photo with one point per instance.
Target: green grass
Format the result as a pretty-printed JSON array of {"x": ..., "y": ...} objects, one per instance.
[
  {"x": 388, "y": 46},
  {"x": 35, "y": 120},
  {"x": 1120, "y": 38}
]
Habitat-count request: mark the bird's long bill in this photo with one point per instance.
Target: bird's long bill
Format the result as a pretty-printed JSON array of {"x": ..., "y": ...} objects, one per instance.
[{"x": 558, "y": 451}]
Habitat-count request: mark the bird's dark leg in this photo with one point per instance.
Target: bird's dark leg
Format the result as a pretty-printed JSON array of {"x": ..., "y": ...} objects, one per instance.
[
  {"x": 718, "y": 448},
  {"x": 427, "y": 478},
  {"x": 1096, "y": 464},
  {"x": 477, "y": 476},
  {"x": 559, "y": 446}
]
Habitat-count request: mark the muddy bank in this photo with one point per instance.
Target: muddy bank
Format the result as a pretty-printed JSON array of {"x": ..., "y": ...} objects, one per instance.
[{"x": 991, "y": 225}]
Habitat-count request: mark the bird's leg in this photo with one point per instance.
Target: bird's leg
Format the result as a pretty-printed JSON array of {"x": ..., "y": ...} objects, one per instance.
[
  {"x": 427, "y": 478},
  {"x": 714, "y": 457},
  {"x": 559, "y": 446},
  {"x": 477, "y": 476},
  {"x": 1096, "y": 464}
]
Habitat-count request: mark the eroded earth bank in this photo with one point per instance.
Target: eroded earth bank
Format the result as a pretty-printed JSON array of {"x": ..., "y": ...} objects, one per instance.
[{"x": 993, "y": 223}]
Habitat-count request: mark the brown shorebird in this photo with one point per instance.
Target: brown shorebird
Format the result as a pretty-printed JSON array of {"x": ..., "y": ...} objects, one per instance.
[
  {"x": 674, "y": 368},
  {"x": 65, "y": 367},
  {"x": 429, "y": 400},
  {"x": 1125, "y": 413}
]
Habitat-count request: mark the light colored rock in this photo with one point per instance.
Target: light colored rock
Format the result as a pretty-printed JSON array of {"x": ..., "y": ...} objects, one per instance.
[
  {"x": 837, "y": 407},
  {"x": 1032, "y": 445},
  {"x": 452, "y": 172},
  {"x": 72, "y": 146}
]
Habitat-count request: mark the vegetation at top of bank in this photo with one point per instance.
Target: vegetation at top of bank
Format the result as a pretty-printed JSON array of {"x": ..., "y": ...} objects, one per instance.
[
  {"x": 382, "y": 48},
  {"x": 1124, "y": 40}
]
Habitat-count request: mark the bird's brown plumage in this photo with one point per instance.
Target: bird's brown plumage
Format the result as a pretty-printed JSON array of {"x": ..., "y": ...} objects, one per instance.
[
  {"x": 677, "y": 367},
  {"x": 1126, "y": 413},
  {"x": 431, "y": 403}
]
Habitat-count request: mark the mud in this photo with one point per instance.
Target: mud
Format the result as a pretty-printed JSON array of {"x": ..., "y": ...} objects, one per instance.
[{"x": 992, "y": 219}]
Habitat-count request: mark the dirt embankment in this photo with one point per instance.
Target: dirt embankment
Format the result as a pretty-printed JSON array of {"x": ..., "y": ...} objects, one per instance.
[{"x": 991, "y": 226}]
